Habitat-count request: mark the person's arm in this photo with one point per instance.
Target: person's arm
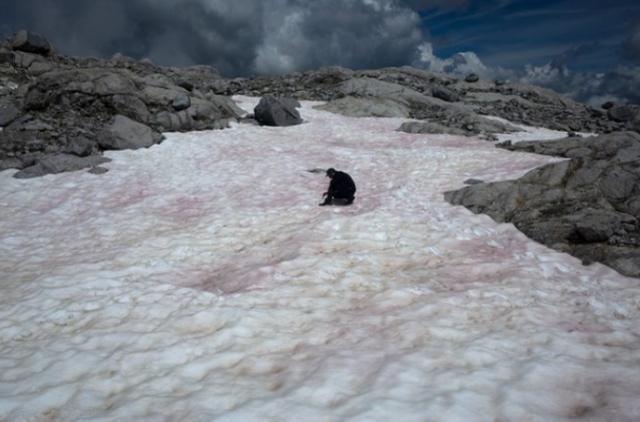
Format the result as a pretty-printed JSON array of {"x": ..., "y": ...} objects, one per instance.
[{"x": 329, "y": 193}]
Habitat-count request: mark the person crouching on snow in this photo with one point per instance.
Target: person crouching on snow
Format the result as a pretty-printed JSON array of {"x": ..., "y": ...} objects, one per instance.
[{"x": 341, "y": 189}]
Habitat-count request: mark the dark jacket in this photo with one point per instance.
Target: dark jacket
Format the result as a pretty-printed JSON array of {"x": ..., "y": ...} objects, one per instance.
[{"x": 341, "y": 186}]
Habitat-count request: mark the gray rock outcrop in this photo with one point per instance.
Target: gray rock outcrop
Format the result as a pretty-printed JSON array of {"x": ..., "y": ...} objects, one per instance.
[
  {"x": 30, "y": 42},
  {"x": 124, "y": 133},
  {"x": 519, "y": 103},
  {"x": 272, "y": 111},
  {"x": 58, "y": 163},
  {"x": 52, "y": 104},
  {"x": 588, "y": 206},
  {"x": 366, "y": 107}
]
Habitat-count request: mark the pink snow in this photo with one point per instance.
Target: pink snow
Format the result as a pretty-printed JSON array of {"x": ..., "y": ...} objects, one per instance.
[{"x": 199, "y": 280}]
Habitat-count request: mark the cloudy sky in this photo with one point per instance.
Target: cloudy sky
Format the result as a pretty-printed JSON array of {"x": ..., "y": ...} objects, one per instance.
[{"x": 563, "y": 44}]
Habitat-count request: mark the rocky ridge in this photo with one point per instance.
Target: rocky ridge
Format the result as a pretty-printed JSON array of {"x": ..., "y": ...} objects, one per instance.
[
  {"x": 588, "y": 205},
  {"x": 419, "y": 94},
  {"x": 52, "y": 105}
]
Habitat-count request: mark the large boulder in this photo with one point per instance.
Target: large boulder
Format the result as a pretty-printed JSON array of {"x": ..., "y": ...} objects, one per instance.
[
  {"x": 80, "y": 146},
  {"x": 128, "y": 105},
  {"x": 124, "y": 133},
  {"x": 271, "y": 111},
  {"x": 31, "y": 42},
  {"x": 59, "y": 163}
]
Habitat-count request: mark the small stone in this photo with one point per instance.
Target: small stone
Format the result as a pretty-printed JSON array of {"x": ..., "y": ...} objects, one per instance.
[
  {"x": 472, "y": 78},
  {"x": 98, "y": 170},
  {"x": 473, "y": 181}
]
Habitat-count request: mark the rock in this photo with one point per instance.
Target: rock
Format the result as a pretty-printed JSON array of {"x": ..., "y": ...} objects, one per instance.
[
  {"x": 29, "y": 123},
  {"x": 124, "y": 133},
  {"x": 6, "y": 57},
  {"x": 607, "y": 105},
  {"x": 458, "y": 123},
  {"x": 59, "y": 163},
  {"x": 39, "y": 67},
  {"x": 185, "y": 84},
  {"x": 271, "y": 111},
  {"x": 181, "y": 102},
  {"x": 330, "y": 75},
  {"x": 366, "y": 107},
  {"x": 587, "y": 206},
  {"x": 597, "y": 225},
  {"x": 472, "y": 78},
  {"x": 444, "y": 94},
  {"x": 8, "y": 112},
  {"x": 80, "y": 146},
  {"x": 31, "y": 42},
  {"x": 158, "y": 96},
  {"x": 623, "y": 113},
  {"x": 112, "y": 83},
  {"x": 290, "y": 102},
  {"x": 226, "y": 106},
  {"x": 473, "y": 181},
  {"x": 11, "y": 163},
  {"x": 367, "y": 87},
  {"x": 130, "y": 106},
  {"x": 174, "y": 122},
  {"x": 598, "y": 147},
  {"x": 427, "y": 127},
  {"x": 98, "y": 170}
]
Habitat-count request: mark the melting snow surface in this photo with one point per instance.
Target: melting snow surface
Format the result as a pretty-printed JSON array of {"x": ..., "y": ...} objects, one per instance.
[
  {"x": 199, "y": 280},
  {"x": 530, "y": 133}
]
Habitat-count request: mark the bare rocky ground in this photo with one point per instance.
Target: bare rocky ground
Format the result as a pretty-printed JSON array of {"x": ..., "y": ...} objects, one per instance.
[
  {"x": 588, "y": 205},
  {"x": 59, "y": 113}
]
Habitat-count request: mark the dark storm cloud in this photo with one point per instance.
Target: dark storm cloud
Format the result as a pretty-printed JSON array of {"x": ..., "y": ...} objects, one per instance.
[
  {"x": 421, "y": 5},
  {"x": 238, "y": 37},
  {"x": 302, "y": 35},
  {"x": 631, "y": 46},
  {"x": 169, "y": 32}
]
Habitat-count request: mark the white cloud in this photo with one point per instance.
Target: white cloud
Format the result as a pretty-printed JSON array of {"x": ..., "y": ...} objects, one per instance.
[
  {"x": 621, "y": 84},
  {"x": 460, "y": 64}
]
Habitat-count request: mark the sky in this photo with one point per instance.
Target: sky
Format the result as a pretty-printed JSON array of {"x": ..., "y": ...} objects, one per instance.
[{"x": 586, "y": 48}]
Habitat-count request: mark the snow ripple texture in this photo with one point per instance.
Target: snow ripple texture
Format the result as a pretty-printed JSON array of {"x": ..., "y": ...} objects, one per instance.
[{"x": 198, "y": 280}]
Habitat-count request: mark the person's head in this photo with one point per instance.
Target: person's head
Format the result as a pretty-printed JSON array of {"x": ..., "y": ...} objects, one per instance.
[{"x": 331, "y": 172}]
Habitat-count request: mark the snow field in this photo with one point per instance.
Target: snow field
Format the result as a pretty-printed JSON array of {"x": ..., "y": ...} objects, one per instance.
[{"x": 198, "y": 279}]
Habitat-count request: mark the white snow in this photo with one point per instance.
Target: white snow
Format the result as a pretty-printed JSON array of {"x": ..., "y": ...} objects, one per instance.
[
  {"x": 199, "y": 280},
  {"x": 530, "y": 133}
]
